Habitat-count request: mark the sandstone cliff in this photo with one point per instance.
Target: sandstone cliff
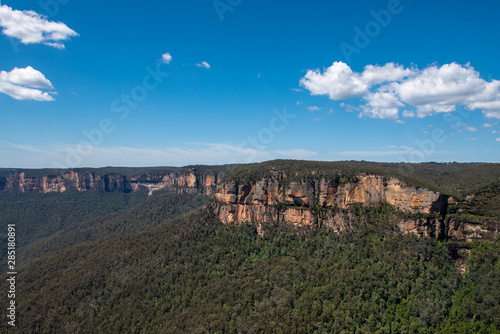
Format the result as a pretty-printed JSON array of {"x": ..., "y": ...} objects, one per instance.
[
  {"x": 246, "y": 200},
  {"x": 301, "y": 200},
  {"x": 183, "y": 181},
  {"x": 323, "y": 202}
]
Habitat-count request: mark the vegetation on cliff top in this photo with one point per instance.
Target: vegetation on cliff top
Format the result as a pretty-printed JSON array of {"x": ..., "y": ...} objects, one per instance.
[
  {"x": 140, "y": 271},
  {"x": 126, "y": 171},
  {"x": 485, "y": 202},
  {"x": 455, "y": 179}
]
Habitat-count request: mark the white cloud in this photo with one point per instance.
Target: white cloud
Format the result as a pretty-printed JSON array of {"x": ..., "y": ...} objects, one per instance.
[
  {"x": 498, "y": 140},
  {"x": 461, "y": 127},
  {"x": 491, "y": 109},
  {"x": 374, "y": 75},
  {"x": 429, "y": 109},
  {"x": 204, "y": 64},
  {"x": 20, "y": 84},
  {"x": 408, "y": 113},
  {"x": 32, "y": 28},
  {"x": 428, "y": 91},
  {"x": 314, "y": 108},
  {"x": 296, "y": 89},
  {"x": 348, "y": 107},
  {"x": 449, "y": 84},
  {"x": 26, "y": 76},
  {"x": 384, "y": 105},
  {"x": 465, "y": 127},
  {"x": 27, "y": 148},
  {"x": 398, "y": 121},
  {"x": 473, "y": 139},
  {"x": 166, "y": 58},
  {"x": 487, "y": 125},
  {"x": 338, "y": 81}
]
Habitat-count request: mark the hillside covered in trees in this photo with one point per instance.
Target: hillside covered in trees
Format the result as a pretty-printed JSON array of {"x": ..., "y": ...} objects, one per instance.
[
  {"x": 195, "y": 275},
  {"x": 115, "y": 262}
]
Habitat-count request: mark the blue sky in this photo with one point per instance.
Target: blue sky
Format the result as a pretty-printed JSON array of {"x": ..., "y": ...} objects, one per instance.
[{"x": 88, "y": 83}]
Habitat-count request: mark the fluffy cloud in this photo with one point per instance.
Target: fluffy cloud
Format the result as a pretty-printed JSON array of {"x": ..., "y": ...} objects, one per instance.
[
  {"x": 166, "y": 58},
  {"x": 338, "y": 81},
  {"x": 392, "y": 88},
  {"x": 491, "y": 109},
  {"x": 32, "y": 28},
  {"x": 408, "y": 113},
  {"x": 20, "y": 84},
  {"x": 389, "y": 72},
  {"x": 441, "y": 89},
  {"x": 204, "y": 64},
  {"x": 383, "y": 105}
]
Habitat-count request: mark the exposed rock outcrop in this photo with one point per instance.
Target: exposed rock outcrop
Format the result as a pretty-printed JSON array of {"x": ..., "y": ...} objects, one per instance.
[
  {"x": 322, "y": 202},
  {"x": 309, "y": 201},
  {"x": 367, "y": 190},
  {"x": 185, "y": 181}
]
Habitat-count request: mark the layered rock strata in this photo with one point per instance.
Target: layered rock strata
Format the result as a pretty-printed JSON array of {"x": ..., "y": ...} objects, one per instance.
[{"x": 186, "y": 181}]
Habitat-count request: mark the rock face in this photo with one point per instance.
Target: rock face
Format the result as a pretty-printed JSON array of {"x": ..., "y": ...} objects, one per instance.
[
  {"x": 186, "y": 181},
  {"x": 367, "y": 190},
  {"x": 313, "y": 202},
  {"x": 323, "y": 202},
  {"x": 245, "y": 201}
]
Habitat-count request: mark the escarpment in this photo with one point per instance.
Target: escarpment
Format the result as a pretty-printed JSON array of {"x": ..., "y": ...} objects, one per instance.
[
  {"x": 367, "y": 190},
  {"x": 331, "y": 202},
  {"x": 188, "y": 180},
  {"x": 331, "y": 197}
]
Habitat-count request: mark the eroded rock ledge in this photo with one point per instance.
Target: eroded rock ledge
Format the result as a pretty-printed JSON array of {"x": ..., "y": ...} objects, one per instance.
[
  {"x": 329, "y": 203},
  {"x": 310, "y": 201},
  {"x": 185, "y": 181}
]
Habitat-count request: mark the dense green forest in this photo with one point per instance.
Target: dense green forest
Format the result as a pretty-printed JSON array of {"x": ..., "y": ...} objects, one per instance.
[
  {"x": 194, "y": 275},
  {"x": 485, "y": 202},
  {"x": 39, "y": 215},
  {"x": 152, "y": 212},
  {"x": 95, "y": 262}
]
